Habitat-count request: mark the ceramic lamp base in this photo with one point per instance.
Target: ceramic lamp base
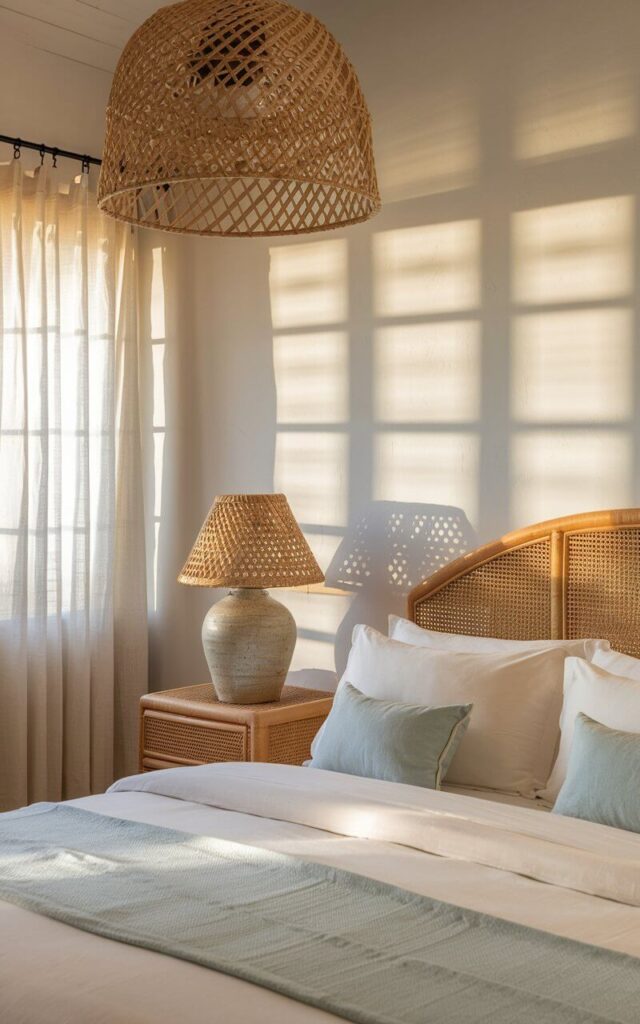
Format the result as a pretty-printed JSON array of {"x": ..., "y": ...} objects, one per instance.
[{"x": 248, "y": 639}]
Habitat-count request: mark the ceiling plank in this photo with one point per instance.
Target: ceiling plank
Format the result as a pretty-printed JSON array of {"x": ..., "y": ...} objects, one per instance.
[
  {"x": 82, "y": 22},
  {"x": 133, "y": 11},
  {"x": 108, "y": 11},
  {"x": 60, "y": 41}
]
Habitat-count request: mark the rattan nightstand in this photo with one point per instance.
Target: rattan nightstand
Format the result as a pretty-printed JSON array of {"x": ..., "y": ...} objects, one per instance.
[{"x": 190, "y": 726}]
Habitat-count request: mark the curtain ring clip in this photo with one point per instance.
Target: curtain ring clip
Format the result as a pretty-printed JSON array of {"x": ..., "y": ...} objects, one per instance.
[
  {"x": 54, "y": 154},
  {"x": 85, "y": 165},
  {"x": 17, "y": 146},
  {"x": 42, "y": 152}
]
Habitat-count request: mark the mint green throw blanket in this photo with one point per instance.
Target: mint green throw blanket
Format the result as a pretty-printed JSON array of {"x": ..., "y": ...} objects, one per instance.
[{"x": 363, "y": 950}]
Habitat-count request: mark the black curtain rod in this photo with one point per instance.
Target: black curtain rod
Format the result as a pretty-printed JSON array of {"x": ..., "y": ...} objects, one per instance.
[{"x": 40, "y": 148}]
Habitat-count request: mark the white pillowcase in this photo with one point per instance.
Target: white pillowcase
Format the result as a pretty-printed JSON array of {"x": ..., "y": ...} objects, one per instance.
[
  {"x": 612, "y": 700},
  {"x": 409, "y": 633},
  {"x": 617, "y": 663},
  {"x": 513, "y": 732}
]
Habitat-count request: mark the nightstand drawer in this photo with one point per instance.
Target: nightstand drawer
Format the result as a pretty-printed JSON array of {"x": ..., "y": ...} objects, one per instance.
[{"x": 180, "y": 740}]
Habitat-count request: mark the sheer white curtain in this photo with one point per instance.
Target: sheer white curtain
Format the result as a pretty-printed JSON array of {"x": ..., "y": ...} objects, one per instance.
[{"x": 73, "y": 636}]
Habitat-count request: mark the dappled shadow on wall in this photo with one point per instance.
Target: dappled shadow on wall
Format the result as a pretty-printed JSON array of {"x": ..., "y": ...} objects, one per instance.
[{"x": 392, "y": 547}]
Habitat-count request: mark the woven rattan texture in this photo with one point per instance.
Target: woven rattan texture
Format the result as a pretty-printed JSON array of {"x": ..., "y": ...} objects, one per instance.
[
  {"x": 239, "y": 117},
  {"x": 508, "y": 596},
  {"x": 253, "y": 541},
  {"x": 290, "y": 742},
  {"x": 191, "y": 741},
  {"x": 204, "y": 693},
  {"x": 602, "y": 586}
]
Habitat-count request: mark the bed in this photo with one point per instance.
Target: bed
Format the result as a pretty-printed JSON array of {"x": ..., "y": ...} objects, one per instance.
[{"x": 501, "y": 857}]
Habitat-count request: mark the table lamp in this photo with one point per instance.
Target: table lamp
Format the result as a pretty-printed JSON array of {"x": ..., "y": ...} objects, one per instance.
[{"x": 249, "y": 542}]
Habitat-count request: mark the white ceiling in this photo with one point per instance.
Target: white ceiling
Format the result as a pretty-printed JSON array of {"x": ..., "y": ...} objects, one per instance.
[{"x": 91, "y": 32}]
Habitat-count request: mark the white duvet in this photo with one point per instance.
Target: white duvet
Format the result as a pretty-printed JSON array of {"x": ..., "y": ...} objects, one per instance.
[{"x": 569, "y": 877}]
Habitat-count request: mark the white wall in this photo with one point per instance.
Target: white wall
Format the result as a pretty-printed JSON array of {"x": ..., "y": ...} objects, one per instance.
[
  {"x": 461, "y": 365},
  {"x": 471, "y": 351},
  {"x": 45, "y": 98}
]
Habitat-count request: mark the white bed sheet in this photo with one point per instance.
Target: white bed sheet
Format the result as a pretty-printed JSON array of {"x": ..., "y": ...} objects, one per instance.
[
  {"x": 498, "y": 797},
  {"x": 51, "y": 973}
]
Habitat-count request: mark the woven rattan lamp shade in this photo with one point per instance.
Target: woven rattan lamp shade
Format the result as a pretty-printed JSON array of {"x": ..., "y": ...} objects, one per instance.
[
  {"x": 237, "y": 117},
  {"x": 252, "y": 541}
]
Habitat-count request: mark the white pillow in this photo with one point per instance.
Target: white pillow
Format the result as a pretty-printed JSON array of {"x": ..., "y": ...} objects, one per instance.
[
  {"x": 612, "y": 700},
  {"x": 408, "y": 632},
  {"x": 617, "y": 663},
  {"x": 513, "y": 732}
]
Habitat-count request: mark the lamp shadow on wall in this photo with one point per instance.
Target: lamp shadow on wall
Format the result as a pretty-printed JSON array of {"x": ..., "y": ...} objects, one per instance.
[{"x": 392, "y": 547}]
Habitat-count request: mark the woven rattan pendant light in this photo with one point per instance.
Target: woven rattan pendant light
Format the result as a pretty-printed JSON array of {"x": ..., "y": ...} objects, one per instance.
[{"x": 237, "y": 117}]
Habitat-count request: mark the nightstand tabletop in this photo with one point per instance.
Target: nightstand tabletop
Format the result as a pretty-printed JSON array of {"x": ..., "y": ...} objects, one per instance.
[{"x": 201, "y": 702}]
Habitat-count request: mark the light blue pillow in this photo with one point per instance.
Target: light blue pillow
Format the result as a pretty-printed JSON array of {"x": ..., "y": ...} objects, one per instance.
[
  {"x": 603, "y": 776},
  {"x": 382, "y": 739}
]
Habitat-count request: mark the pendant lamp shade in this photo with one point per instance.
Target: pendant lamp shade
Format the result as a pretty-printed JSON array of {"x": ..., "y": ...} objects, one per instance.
[{"x": 237, "y": 117}]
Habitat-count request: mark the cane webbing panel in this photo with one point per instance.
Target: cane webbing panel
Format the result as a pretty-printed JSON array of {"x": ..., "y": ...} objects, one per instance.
[
  {"x": 602, "y": 591},
  {"x": 290, "y": 742},
  {"x": 192, "y": 741},
  {"x": 505, "y": 597},
  {"x": 573, "y": 577}
]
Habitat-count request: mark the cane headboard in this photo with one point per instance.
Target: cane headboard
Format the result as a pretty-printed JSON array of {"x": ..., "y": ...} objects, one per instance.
[{"x": 565, "y": 578}]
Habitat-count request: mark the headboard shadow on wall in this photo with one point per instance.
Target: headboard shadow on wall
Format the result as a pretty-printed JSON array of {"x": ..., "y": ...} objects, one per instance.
[{"x": 578, "y": 576}]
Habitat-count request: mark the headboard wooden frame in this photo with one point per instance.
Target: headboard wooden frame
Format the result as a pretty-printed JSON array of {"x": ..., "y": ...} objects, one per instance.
[{"x": 578, "y": 576}]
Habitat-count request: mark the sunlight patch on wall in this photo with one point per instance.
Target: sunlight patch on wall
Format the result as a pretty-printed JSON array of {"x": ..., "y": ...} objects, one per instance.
[
  {"x": 157, "y": 324},
  {"x": 156, "y": 311},
  {"x": 575, "y": 110},
  {"x": 312, "y": 377},
  {"x": 158, "y": 357},
  {"x": 573, "y": 366},
  {"x": 323, "y": 545},
  {"x": 309, "y": 284},
  {"x": 556, "y": 473},
  {"x": 309, "y": 289},
  {"x": 312, "y": 470},
  {"x": 434, "y": 468},
  {"x": 427, "y": 373},
  {"x": 318, "y": 619},
  {"x": 428, "y": 269},
  {"x": 578, "y": 251},
  {"x": 311, "y": 652},
  {"x": 158, "y": 470},
  {"x": 156, "y": 563},
  {"x": 328, "y": 611}
]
